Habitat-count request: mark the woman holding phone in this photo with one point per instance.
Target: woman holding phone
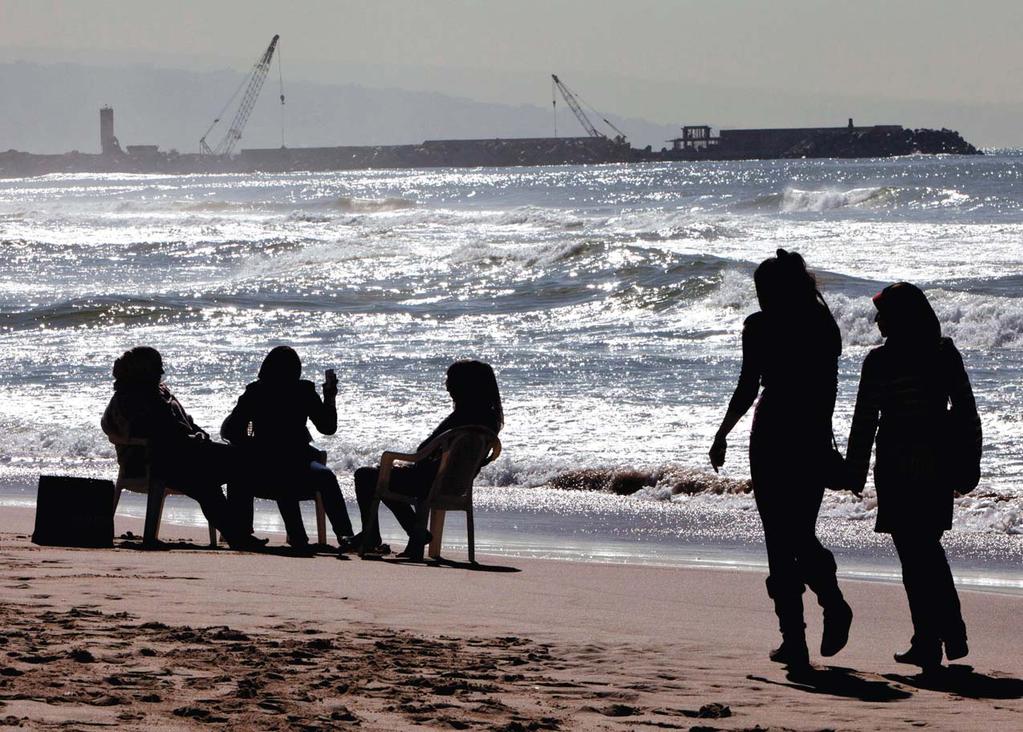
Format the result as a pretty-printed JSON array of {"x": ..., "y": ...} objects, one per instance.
[{"x": 269, "y": 423}]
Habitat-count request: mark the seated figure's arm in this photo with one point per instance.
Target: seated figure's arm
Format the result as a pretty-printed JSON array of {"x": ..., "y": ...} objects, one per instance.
[
  {"x": 323, "y": 412},
  {"x": 235, "y": 426},
  {"x": 113, "y": 422},
  {"x": 450, "y": 422}
]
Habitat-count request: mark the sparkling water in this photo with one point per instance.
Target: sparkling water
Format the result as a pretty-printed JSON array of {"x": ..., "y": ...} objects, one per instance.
[{"x": 608, "y": 298}]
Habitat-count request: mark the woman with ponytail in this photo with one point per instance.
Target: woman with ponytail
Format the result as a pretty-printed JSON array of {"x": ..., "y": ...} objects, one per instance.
[{"x": 791, "y": 349}]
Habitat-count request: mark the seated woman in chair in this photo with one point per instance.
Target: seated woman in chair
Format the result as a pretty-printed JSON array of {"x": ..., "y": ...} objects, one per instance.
[
  {"x": 477, "y": 401},
  {"x": 269, "y": 424},
  {"x": 182, "y": 454}
]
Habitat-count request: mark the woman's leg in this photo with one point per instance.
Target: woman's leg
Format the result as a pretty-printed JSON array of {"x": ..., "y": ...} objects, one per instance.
[
  {"x": 365, "y": 489},
  {"x": 916, "y": 554},
  {"x": 198, "y": 470},
  {"x": 413, "y": 481},
  {"x": 817, "y": 568},
  {"x": 240, "y": 502},
  {"x": 322, "y": 479},
  {"x": 291, "y": 513},
  {"x": 784, "y": 585},
  {"x": 950, "y": 625},
  {"x": 407, "y": 480}
]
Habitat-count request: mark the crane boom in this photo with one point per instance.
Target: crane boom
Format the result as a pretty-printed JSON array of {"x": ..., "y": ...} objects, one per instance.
[
  {"x": 241, "y": 117},
  {"x": 577, "y": 110}
]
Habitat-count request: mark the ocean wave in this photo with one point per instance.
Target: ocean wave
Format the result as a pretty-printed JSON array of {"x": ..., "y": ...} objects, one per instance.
[
  {"x": 98, "y": 310},
  {"x": 983, "y": 511},
  {"x": 659, "y": 484},
  {"x": 197, "y": 206},
  {"x": 971, "y": 320},
  {"x": 537, "y": 216},
  {"x": 348, "y": 204},
  {"x": 794, "y": 200}
]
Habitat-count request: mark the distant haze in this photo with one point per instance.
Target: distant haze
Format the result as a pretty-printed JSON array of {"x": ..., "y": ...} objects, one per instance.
[{"x": 398, "y": 72}]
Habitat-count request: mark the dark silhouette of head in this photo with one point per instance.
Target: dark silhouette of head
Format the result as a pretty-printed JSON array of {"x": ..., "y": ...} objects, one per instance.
[
  {"x": 904, "y": 315},
  {"x": 785, "y": 286},
  {"x": 473, "y": 385},
  {"x": 280, "y": 365},
  {"x": 139, "y": 366}
]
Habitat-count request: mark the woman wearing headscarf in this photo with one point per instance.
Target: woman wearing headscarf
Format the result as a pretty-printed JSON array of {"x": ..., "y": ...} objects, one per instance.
[
  {"x": 791, "y": 349},
  {"x": 925, "y": 452},
  {"x": 269, "y": 424},
  {"x": 472, "y": 386}
]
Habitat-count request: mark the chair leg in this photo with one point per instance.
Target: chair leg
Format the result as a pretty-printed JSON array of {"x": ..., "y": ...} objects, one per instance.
[
  {"x": 154, "y": 510},
  {"x": 437, "y": 529},
  {"x": 213, "y": 536},
  {"x": 321, "y": 520},
  {"x": 470, "y": 530}
]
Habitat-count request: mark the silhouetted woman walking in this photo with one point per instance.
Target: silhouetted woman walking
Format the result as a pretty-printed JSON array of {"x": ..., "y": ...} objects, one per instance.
[
  {"x": 791, "y": 348},
  {"x": 925, "y": 452}
]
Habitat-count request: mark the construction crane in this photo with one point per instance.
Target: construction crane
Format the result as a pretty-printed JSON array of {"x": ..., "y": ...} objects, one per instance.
[
  {"x": 252, "y": 84},
  {"x": 575, "y": 103}
]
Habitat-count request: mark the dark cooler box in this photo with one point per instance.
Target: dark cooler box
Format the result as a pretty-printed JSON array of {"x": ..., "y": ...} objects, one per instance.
[{"x": 74, "y": 512}]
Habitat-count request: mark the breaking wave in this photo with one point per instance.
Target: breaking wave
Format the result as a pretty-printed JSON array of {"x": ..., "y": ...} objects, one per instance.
[
  {"x": 971, "y": 320},
  {"x": 795, "y": 200},
  {"x": 799, "y": 200}
]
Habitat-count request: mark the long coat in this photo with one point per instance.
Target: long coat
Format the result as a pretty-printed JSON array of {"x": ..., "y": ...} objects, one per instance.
[{"x": 904, "y": 397}]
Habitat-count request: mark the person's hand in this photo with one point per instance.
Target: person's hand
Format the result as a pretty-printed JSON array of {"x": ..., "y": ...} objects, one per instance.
[
  {"x": 717, "y": 452},
  {"x": 330, "y": 385}
]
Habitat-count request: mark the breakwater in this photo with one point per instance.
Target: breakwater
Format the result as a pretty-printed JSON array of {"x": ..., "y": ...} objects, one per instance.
[{"x": 763, "y": 144}]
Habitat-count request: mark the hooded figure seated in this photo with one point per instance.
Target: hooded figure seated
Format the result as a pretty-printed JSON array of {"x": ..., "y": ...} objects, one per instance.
[{"x": 182, "y": 454}]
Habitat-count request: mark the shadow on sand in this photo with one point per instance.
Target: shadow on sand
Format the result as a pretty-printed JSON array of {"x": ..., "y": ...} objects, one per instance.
[
  {"x": 274, "y": 551},
  {"x": 837, "y": 681},
  {"x": 962, "y": 680},
  {"x": 448, "y": 564}
]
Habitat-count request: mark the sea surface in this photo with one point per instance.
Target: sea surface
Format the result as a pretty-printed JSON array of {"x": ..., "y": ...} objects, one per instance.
[{"x": 608, "y": 298}]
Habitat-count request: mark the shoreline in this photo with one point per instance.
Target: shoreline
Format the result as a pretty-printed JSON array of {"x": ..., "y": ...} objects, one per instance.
[
  {"x": 570, "y": 547},
  {"x": 171, "y": 639}
]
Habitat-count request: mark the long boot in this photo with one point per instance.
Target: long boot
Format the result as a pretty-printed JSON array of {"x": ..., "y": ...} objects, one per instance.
[
  {"x": 837, "y": 617},
  {"x": 788, "y": 606},
  {"x": 819, "y": 569}
]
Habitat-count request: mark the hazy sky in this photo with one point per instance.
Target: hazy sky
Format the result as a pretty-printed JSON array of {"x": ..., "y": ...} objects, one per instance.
[{"x": 640, "y": 58}]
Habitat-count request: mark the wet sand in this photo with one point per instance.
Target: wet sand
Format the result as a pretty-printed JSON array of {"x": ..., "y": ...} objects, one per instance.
[{"x": 200, "y": 639}]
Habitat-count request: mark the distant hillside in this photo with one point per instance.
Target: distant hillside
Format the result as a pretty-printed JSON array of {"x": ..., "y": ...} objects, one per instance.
[{"x": 54, "y": 108}]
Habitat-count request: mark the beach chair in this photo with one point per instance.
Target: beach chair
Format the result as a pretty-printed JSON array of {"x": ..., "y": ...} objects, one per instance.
[
  {"x": 137, "y": 476},
  {"x": 462, "y": 452},
  {"x": 321, "y": 514}
]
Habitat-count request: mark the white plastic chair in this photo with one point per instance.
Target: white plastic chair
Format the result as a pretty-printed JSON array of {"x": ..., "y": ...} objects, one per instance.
[{"x": 462, "y": 452}]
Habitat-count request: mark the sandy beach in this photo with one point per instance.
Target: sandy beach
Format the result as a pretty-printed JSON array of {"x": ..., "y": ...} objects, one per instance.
[{"x": 199, "y": 639}]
